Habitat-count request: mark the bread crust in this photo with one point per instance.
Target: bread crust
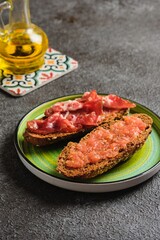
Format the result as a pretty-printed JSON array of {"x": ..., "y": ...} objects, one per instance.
[
  {"x": 47, "y": 139},
  {"x": 94, "y": 169}
]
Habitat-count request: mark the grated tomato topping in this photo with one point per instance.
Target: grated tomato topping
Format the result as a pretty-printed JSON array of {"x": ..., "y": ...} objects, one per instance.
[{"x": 105, "y": 144}]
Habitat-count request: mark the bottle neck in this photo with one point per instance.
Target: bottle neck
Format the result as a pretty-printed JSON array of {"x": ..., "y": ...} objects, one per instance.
[{"x": 20, "y": 12}]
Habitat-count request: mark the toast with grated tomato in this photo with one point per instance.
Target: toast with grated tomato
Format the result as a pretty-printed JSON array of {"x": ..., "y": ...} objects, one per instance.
[
  {"x": 72, "y": 118},
  {"x": 104, "y": 147}
]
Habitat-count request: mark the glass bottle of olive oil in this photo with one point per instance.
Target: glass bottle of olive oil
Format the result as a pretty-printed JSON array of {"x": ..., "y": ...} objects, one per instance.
[{"x": 22, "y": 43}]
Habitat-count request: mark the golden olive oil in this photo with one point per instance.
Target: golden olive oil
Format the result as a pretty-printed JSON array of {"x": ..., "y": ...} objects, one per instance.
[{"x": 22, "y": 48}]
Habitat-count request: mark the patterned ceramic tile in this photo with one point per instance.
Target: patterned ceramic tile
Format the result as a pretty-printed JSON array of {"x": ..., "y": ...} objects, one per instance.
[{"x": 56, "y": 65}]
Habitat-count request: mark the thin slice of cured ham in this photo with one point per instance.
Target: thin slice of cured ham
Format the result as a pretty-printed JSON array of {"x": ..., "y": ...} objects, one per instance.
[
  {"x": 116, "y": 102},
  {"x": 74, "y": 115}
]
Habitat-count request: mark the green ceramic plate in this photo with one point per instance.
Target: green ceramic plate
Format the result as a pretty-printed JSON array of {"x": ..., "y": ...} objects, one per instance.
[{"x": 43, "y": 161}]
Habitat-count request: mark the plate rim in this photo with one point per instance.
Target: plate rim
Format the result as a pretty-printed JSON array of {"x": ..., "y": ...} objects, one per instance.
[
  {"x": 25, "y": 159},
  {"x": 91, "y": 187}
]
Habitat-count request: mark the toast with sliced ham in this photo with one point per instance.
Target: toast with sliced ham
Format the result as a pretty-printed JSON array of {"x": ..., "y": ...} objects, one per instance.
[
  {"x": 104, "y": 147},
  {"x": 65, "y": 120}
]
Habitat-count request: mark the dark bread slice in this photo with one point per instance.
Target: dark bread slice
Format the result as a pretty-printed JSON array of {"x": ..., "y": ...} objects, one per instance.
[
  {"x": 94, "y": 169},
  {"x": 47, "y": 139}
]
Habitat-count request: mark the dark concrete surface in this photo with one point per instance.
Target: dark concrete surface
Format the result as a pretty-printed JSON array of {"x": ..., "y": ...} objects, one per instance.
[{"x": 117, "y": 45}]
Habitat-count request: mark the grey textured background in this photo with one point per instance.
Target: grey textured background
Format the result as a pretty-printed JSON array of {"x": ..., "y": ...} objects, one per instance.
[{"x": 117, "y": 45}]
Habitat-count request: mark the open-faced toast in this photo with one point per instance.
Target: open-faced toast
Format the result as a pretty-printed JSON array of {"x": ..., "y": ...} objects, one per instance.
[
  {"x": 104, "y": 147},
  {"x": 47, "y": 139},
  {"x": 66, "y": 120}
]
